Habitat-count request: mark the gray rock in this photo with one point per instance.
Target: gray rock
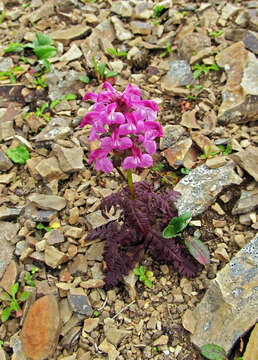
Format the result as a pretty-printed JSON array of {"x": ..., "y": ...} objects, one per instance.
[
  {"x": 230, "y": 305},
  {"x": 54, "y": 237},
  {"x": 251, "y": 42},
  {"x": 70, "y": 33},
  {"x": 37, "y": 215},
  {"x": 248, "y": 160},
  {"x": 57, "y": 128},
  {"x": 179, "y": 74},
  {"x": 6, "y": 130},
  {"x": 49, "y": 169},
  {"x": 80, "y": 304},
  {"x": 192, "y": 42},
  {"x": 122, "y": 8},
  {"x": 7, "y": 213},
  {"x": 45, "y": 10},
  {"x": 5, "y": 163},
  {"x": 8, "y": 236},
  {"x": 201, "y": 186},
  {"x": 140, "y": 27},
  {"x": 143, "y": 10},
  {"x": 47, "y": 202},
  {"x": 5, "y": 64},
  {"x": 54, "y": 257},
  {"x": 121, "y": 33},
  {"x": 172, "y": 133},
  {"x": 95, "y": 219},
  {"x": 247, "y": 202},
  {"x": 70, "y": 160},
  {"x": 73, "y": 53}
]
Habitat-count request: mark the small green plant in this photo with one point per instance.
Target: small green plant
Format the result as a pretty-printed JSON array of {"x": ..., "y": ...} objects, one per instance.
[
  {"x": 40, "y": 81},
  {"x": 14, "y": 302},
  {"x": 158, "y": 167},
  {"x": 117, "y": 53},
  {"x": 101, "y": 71},
  {"x": 184, "y": 13},
  {"x": 96, "y": 313},
  {"x": 144, "y": 276},
  {"x": 19, "y": 154},
  {"x": 225, "y": 150},
  {"x": 176, "y": 225},
  {"x": 26, "y": 5},
  {"x": 156, "y": 349},
  {"x": 216, "y": 34},
  {"x": 215, "y": 352},
  {"x": 84, "y": 78},
  {"x": 40, "y": 226},
  {"x": 40, "y": 112},
  {"x": 158, "y": 11},
  {"x": 199, "y": 69},
  {"x": 11, "y": 74},
  {"x": 67, "y": 97},
  {"x": 30, "y": 276},
  {"x": 208, "y": 153},
  {"x": 185, "y": 171},
  {"x": 167, "y": 51}
]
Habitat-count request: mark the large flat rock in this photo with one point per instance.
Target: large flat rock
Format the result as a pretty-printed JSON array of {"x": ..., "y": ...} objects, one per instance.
[{"x": 230, "y": 306}]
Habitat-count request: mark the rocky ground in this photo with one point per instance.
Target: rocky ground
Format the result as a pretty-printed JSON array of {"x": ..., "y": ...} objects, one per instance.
[{"x": 208, "y": 153}]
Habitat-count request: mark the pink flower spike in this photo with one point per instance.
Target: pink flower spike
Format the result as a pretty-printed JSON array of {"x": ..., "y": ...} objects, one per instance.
[
  {"x": 115, "y": 142},
  {"x": 102, "y": 162},
  {"x": 137, "y": 160},
  {"x": 154, "y": 125},
  {"x": 90, "y": 96},
  {"x": 114, "y": 117}
]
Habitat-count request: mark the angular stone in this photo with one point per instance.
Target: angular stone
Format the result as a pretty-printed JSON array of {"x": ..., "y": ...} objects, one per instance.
[
  {"x": 92, "y": 284},
  {"x": 54, "y": 237},
  {"x": 248, "y": 160},
  {"x": 216, "y": 162},
  {"x": 32, "y": 213},
  {"x": 45, "y": 10},
  {"x": 122, "y": 8},
  {"x": 9, "y": 213},
  {"x": 90, "y": 324},
  {"x": 6, "y": 130},
  {"x": 47, "y": 202},
  {"x": 201, "y": 186},
  {"x": 162, "y": 340},
  {"x": 10, "y": 276},
  {"x": 203, "y": 142},
  {"x": 70, "y": 160},
  {"x": 251, "y": 352},
  {"x": 73, "y": 232},
  {"x": 6, "y": 178},
  {"x": 113, "y": 334},
  {"x": 8, "y": 236},
  {"x": 172, "y": 133},
  {"x": 121, "y": 33},
  {"x": 179, "y": 74},
  {"x": 5, "y": 163},
  {"x": 49, "y": 169},
  {"x": 139, "y": 27},
  {"x": 54, "y": 257},
  {"x": 95, "y": 251},
  {"x": 79, "y": 302},
  {"x": 192, "y": 42},
  {"x": 247, "y": 202},
  {"x": 70, "y": 33},
  {"x": 176, "y": 153},
  {"x": 41, "y": 329},
  {"x": 143, "y": 10},
  {"x": 189, "y": 321},
  {"x": 230, "y": 305},
  {"x": 58, "y": 127},
  {"x": 110, "y": 349},
  {"x": 74, "y": 215},
  {"x": 73, "y": 53},
  {"x": 251, "y": 42},
  {"x": 95, "y": 219},
  {"x": 189, "y": 120}
]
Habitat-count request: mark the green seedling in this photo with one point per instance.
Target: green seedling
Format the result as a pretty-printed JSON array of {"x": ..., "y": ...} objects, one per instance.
[
  {"x": 158, "y": 167},
  {"x": 1, "y": 343},
  {"x": 158, "y": 11},
  {"x": 84, "y": 78},
  {"x": 67, "y": 97},
  {"x": 199, "y": 69},
  {"x": 40, "y": 226},
  {"x": 198, "y": 250},
  {"x": 2, "y": 16},
  {"x": 167, "y": 51},
  {"x": 184, "y": 171},
  {"x": 225, "y": 150},
  {"x": 101, "y": 71},
  {"x": 11, "y": 74},
  {"x": 117, "y": 53},
  {"x": 14, "y": 302},
  {"x": 156, "y": 349},
  {"x": 144, "y": 276},
  {"x": 184, "y": 13},
  {"x": 215, "y": 352},
  {"x": 40, "y": 81},
  {"x": 95, "y": 313},
  {"x": 176, "y": 225},
  {"x": 40, "y": 112},
  {"x": 216, "y": 34},
  {"x": 19, "y": 154},
  {"x": 29, "y": 277},
  {"x": 207, "y": 154},
  {"x": 25, "y": 5}
]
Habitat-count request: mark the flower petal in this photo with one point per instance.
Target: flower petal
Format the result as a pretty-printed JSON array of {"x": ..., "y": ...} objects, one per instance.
[
  {"x": 104, "y": 164},
  {"x": 91, "y": 96},
  {"x": 125, "y": 143},
  {"x": 130, "y": 162},
  {"x": 146, "y": 161}
]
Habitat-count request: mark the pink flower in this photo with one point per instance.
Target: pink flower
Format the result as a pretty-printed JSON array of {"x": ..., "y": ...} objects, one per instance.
[
  {"x": 137, "y": 160},
  {"x": 102, "y": 162},
  {"x": 115, "y": 142}
]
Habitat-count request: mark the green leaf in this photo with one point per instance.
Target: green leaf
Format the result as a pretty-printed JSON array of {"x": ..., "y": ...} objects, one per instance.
[
  {"x": 13, "y": 289},
  {"x": 54, "y": 103},
  {"x": 42, "y": 40},
  {"x": 24, "y": 296},
  {"x": 101, "y": 69},
  {"x": 40, "y": 226},
  {"x": 112, "y": 51},
  {"x": 185, "y": 171},
  {"x": 176, "y": 225},
  {"x": 14, "y": 47},
  {"x": 70, "y": 97},
  {"x": 110, "y": 74},
  {"x": 45, "y": 51},
  {"x": 95, "y": 64},
  {"x": 213, "y": 352},
  {"x": 158, "y": 167},
  {"x": 198, "y": 250},
  {"x": 34, "y": 269},
  {"x": 19, "y": 154},
  {"x": 149, "y": 274},
  {"x": 142, "y": 270},
  {"x": 137, "y": 271},
  {"x": 148, "y": 283},
  {"x": 14, "y": 305},
  {"x": 85, "y": 79},
  {"x": 5, "y": 314},
  {"x": 213, "y": 67},
  {"x": 142, "y": 277}
]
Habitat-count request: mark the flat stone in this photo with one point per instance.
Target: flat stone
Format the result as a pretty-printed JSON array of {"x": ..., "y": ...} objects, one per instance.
[
  {"x": 110, "y": 349},
  {"x": 79, "y": 303},
  {"x": 95, "y": 219},
  {"x": 41, "y": 329},
  {"x": 171, "y": 135},
  {"x": 54, "y": 237},
  {"x": 230, "y": 305},
  {"x": 5, "y": 163},
  {"x": 247, "y": 202},
  {"x": 192, "y": 42},
  {"x": 216, "y": 162},
  {"x": 8, "y": 236},
  {"x": 176, "y": 153},
  {"x": 32, "y": 213},
  {"x": 189, "y": 321},
  {"x": 92, "y": 284},
  {"x": 139, "y": 27},
  {"x": 90, "y": 324},
  {"x": 73, "y": 232},
  {"x": 143, "y": 10},
  {"x": 6, "y": 178},
  {"x": 203, "y": 142},
  {"x": 54, "y": 257},
  {"x": 251, "y": 352},
  {"x": 162, "y": 340},
  {"x": 189, "y": 120},
  {"x": 251, "y": 42},
  {"x": 57, "y": 128},
  {"x": 46, "y": 10},
  {"x": 79, "y": 265},
  {"x": 72, "y": 54},
  {"x": 70, "y": 33},
  {"x": 6, "y": 130},
  {"x": 70, "y": 159},
  {"x": 201, "y": 186},
  {"x": 49, "y": 169},
  {"x": 113, "y": 334},
  {"x": 122, "y": 8},
  {"x": 10, "y": 276},
  {"x": 7, "y": 213},
  {"x": 228, "y": 11},
  {"x": 179, "y": 74},
  {"x": 248, "y": 160},
  {"x": 121, "y": 33},
  {"x": 95, "y": 251},
  {"x": 47, "y": 202}
]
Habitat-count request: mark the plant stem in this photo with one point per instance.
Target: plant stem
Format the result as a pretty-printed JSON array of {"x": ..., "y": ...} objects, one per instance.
[{"x": 130, "y": 183}]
